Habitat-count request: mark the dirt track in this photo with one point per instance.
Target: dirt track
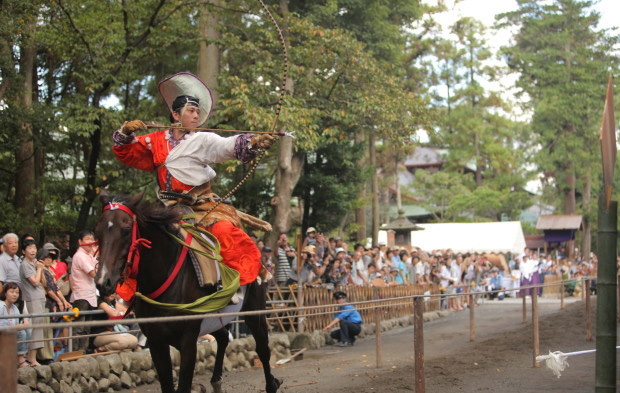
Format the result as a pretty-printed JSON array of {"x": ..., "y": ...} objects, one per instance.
[{"x": 500, "y": 360}]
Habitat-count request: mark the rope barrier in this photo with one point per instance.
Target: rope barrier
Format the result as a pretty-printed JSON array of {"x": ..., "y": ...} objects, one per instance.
[
  {"x": 80, "y": 336},
  {"x": 186, "y": 317},
  {"x": 51, "y": 314}
]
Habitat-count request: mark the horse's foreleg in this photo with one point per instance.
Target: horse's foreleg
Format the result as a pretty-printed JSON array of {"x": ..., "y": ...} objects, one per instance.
[
  {"x": 221, "y": 337},
  {"x": 187, "y": 349},
  {"x": 260, "y": 331},
  {"x": 163, "y": 364}
]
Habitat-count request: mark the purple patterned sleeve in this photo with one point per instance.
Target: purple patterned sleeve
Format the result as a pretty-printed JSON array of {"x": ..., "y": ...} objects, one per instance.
[
  {"x": 243, "y": 150},
  {"x": 121, "y": 139}
]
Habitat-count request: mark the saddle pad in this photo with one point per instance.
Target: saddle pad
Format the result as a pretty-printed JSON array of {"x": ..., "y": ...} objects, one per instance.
[{"x": 207, "y": 269}]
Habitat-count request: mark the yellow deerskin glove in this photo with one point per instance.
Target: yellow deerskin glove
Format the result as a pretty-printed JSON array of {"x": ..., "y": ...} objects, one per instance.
[
  {"x": 262, "y": 141},
  {"x": 130, "y": 127}
]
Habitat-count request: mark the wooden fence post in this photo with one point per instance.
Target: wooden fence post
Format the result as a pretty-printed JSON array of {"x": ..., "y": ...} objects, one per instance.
[
  {"x": 588, "y": 311},
  {"x": 583, "y": 285},
  {"x": 418, "y": 342},
  {"x": 8, "y": 354},
  {"x": 378, "y": 344},
  {"x": 535, "y": 325},
  {"x": 300, "y": 287},
  {"x": 524, "y": 307},
  {"x": 472, "y": 327}
]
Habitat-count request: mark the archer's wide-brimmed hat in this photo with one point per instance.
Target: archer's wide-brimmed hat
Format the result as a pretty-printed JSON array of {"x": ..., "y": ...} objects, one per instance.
[{"x": 187, "y": 84}]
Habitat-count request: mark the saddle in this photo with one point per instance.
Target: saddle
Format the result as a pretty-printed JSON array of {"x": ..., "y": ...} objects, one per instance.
[{"x": 205, "y": 209}]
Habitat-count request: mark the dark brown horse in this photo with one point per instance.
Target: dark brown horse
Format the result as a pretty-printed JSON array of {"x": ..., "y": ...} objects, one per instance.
[{"x": 114, "y": 232}]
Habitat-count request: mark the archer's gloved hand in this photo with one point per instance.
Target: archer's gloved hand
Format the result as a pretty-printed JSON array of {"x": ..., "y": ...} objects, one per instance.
[
  {"x": 262, "y": 141},
  {"x": 130, "y": 127}
]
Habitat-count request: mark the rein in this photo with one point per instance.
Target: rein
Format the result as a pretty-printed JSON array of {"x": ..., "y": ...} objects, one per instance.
[
  {"x": 206, "y": 304},
  {"x": 133, "y": 256}
]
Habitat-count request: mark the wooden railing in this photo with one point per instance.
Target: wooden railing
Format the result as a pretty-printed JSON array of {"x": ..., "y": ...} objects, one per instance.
[{"x": 323, "y": 296}]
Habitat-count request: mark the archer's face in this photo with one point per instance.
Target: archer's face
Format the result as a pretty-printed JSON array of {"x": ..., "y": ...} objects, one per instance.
[{"x": 188, "y": 116}]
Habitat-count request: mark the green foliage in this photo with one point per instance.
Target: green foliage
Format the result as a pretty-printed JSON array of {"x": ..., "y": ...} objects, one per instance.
[
  {"x": 485, "y": 172},
  {"x": 437, "y": 191},
  {"x": 377, "y": 23},
  {"x": 328, "y": 198},
  {"x": 99, "y": 63},
  {"x": 563, "y": 60}
]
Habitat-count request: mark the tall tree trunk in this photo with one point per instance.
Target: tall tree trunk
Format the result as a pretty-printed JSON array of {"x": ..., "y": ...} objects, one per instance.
[
  {"x": 570, "y": 203},
  {"x": 570, "y": 182},
  {"x": 290, "y": 165},
  {"x": 360, "y": 212},
  {"x": 208, "y": 52},
  {"x": 39, "y": 167},
  {"x": 288, "y": 173},
  {"x": 586, "y": 240},
  {"x": 25, "y": 159},
  {"x": 478, "y": 159},
  {"x": 374, "y": 188},
  {"x": 399, "y": 200},
  {"x": 91, "y": 191}
]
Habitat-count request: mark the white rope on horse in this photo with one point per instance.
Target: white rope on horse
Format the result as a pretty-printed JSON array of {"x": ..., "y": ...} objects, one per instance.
[{"x": 556, "y": 361}]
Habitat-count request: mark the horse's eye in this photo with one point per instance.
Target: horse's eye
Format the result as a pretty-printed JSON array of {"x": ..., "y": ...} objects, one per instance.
[{"x": 125, "y": 230}]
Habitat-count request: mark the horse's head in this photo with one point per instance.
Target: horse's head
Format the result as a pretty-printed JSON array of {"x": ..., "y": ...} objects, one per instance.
[{"x": 114, "y": 232}]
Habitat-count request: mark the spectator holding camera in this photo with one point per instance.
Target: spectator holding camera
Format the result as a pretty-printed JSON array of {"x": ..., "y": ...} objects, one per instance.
[
  {"x": 286, "y": 260},
  {"x": 312, "y": 269},
  {"x": 83, "y": 288}
]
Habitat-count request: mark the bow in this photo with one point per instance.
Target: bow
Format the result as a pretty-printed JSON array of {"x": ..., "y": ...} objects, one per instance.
[
  {"x": 200, "y": 129},
  {"x": 261, "y": 154}
]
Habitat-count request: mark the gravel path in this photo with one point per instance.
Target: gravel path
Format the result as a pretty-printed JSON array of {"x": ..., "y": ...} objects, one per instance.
[{"x": 500, "y": 360}]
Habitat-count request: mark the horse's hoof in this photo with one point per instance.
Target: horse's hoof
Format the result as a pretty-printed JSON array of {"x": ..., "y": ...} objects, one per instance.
[
  {"x": 198, "y": 388},
  {"x": 275, "y": 384},
  {"x": 217, "y": 386}
]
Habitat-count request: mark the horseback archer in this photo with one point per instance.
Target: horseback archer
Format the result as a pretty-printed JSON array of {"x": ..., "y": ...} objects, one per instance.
[{"x": 182, "y": 159}]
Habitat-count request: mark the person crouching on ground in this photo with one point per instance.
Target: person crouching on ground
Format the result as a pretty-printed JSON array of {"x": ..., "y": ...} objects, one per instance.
[{"x": 348, "y": 318}]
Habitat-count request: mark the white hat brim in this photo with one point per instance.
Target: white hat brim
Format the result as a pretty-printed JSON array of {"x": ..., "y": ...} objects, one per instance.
[{"x": 187, "y": 84}]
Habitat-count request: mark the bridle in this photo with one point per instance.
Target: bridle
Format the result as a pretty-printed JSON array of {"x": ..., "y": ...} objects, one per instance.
[
  {"x": 132, "y": 265},
  {"x": 133, "y": 255}
]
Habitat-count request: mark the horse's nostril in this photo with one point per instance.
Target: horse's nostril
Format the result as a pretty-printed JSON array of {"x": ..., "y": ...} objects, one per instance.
[{"x": 107, "y": 286}]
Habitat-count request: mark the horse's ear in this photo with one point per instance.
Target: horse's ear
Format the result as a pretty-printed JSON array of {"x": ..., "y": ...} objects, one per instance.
[
  {"x": 104, "y": 197},
  {"x": 135, "y": 200}
]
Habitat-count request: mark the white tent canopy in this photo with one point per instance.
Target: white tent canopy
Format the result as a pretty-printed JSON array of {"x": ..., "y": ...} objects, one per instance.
[{"x": 479, "y": 237}]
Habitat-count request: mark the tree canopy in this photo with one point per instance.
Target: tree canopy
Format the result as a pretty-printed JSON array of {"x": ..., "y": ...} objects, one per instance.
[{"x": 365, "y": 78}]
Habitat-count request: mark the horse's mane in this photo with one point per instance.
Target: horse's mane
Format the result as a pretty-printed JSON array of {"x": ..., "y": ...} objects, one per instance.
[{"x": 153, "y": 213}]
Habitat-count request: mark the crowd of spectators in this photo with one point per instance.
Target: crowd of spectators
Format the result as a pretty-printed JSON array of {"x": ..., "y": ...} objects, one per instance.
[
  {"x": 329, "y": 262},
  {"x": 48, "y": 279},
  {"x": 45, "y": 280}
]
